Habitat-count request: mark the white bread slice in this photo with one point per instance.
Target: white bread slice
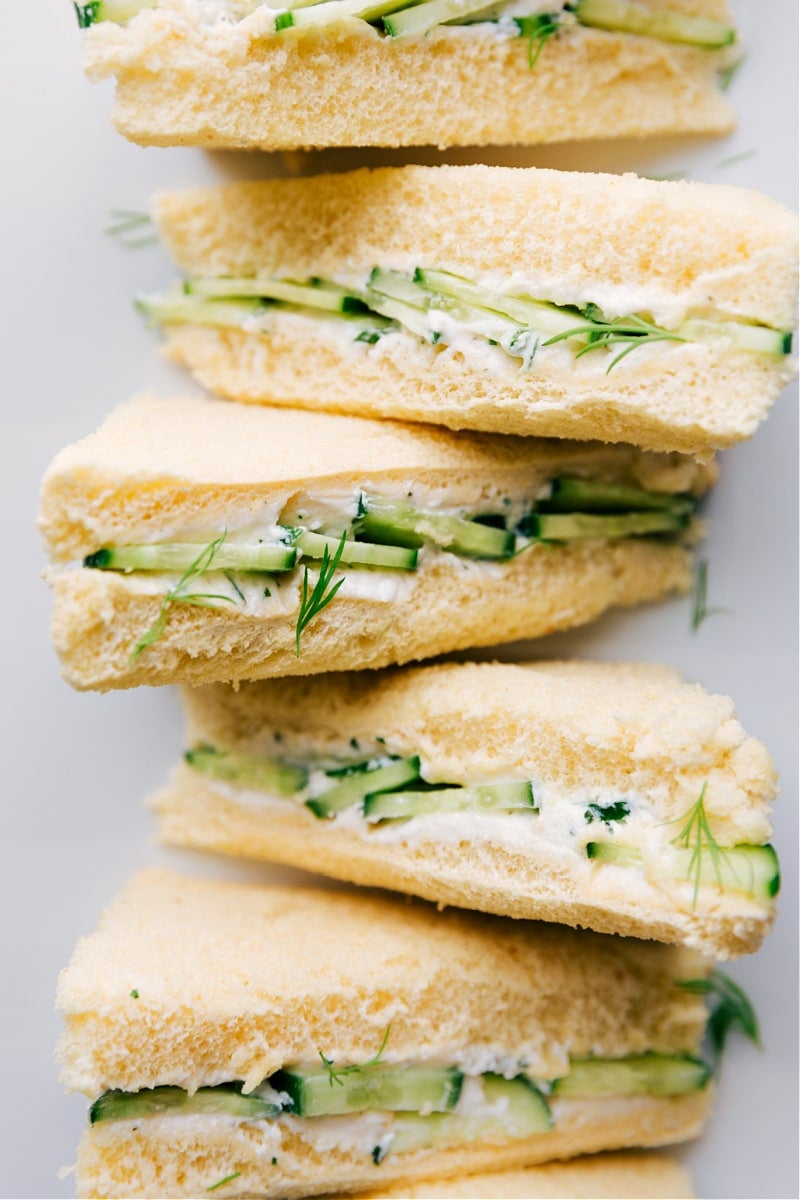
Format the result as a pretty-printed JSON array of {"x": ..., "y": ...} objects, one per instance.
[
  {"x": 160, "y": 466},
  {"x": 595, "y": 729},
  {"x": 180, "y": 84},
  {"x": 602, "y": 1177},
  {"x": 233, "y": 982},
  {"x": 673, "y": 249}
]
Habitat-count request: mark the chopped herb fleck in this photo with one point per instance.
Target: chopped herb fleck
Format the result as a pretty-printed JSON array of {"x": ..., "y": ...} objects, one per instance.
[
  {"x": 732, "y": 159},
  {"x": 354, "y": 743},
  {"x": 221, "y": 1182},
  {"x": 130, "y": 228},
  {"x": 274, "y": 1160},
  {"x": 267, "y": 593},
  {"x": 134, "y": 993},
  {"x": 607, "y": 813}
]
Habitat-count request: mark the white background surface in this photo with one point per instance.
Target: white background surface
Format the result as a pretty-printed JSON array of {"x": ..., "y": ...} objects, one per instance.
[{"x": 76, "y": 767}]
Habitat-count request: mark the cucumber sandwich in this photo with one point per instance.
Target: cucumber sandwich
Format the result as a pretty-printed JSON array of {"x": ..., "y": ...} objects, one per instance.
[
  {"x": 303, "y": 73},
  {"x": 509, "y": 300},
  {"x": 293, "y": 1041},
  {"x": 611, "y": 796},
  {"x": 198, "y": 541}
]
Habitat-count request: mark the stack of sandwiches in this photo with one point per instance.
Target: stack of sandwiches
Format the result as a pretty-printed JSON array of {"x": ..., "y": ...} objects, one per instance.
[{"x": 456, "y": 407}]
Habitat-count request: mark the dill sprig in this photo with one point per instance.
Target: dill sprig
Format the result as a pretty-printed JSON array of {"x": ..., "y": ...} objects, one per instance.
[
  {"x": 128, "y": 227},
  {"x": 338, "y": 1074},
  {"x": 630, "y": 332},
  {"x": 537, "y": 30},
  {"x": 179, "y": 594},
  {"x": 696, "y": 835},
  {"x": 700, "y": 607},
  {"x": 732, "y": 1007},
  {"x": 322, "y": 593},
  {"x": 226, "y": 1179}
]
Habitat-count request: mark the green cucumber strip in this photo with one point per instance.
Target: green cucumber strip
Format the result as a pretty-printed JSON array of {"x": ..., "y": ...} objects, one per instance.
[
  {"x": 568, "y": 527},
  {"x": 623, "y": 16},
  {"x": 248, "y": 770},
  {"x": 110, "y": 10},
  {"x": 225, "y": 1099},
  {"x": 486, "y": 797},
  {"x": 524, "y": 1111},
  {"x": 753, "y": 870},
  {"x": 545, "y": 318},
  {"x": 404, "y": 525},
  {"x": 422, "y": 17},
  {"x": 357, "y": 553},
  {"x": 328, "y": 298},
  {"x": 758, "y": 339},
  {"x": 353, "y": 789},
  {"x": 589, "y": 495},
  {"x": 179, "y": 556},
  {"x": 180, "y": 309},
  {"x": 635, "y": 1075},
  {"x": 332, "y": 11},
  {"x": 326, "y": 1092}
]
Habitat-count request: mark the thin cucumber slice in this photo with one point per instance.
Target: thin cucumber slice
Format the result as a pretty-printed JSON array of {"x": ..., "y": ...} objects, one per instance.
[
  {"x": 545, "y": 318},
  {"x": 521, "y": 1111},
  {"x": 625, "y": 16},
  {"x": 588, "y": 495},
  {"x": 635, "y": 1075},
  {"x": 179, "y": 556},
  {"x": 226, "y": 1100},
  {"x": 753, "y": 870},
  {"x": 248, "y": 770},
  {"x": 332, "y": 11},
  {"x": 313, "y": 545},
  {"x": 326, "y": 1092},
  {"x": 404, "y": 525},
  {"x": 758, "y": 339},
  {"x": 327, "y": 297},
  {"x": 485, "y": 797},
  {"x": 422, "y": 17},
  {"x": 180, "y": 309},
  {"x": 110, "y": 10},
  {"x": 568, "y": 527},
  {"x": 354, "y": 788}
]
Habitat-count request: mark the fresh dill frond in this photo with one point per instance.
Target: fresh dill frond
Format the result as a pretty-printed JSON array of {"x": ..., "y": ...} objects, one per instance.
[
  {"x": 629, "y": 332},
  {"x": 696, "y": 835},
  {"x": 732, "y": 159},
  {"x": 338, "y": 1074},
  {"x": 132, "y": 229},
  {"x": 226, "y": 1179},
  {"x": 537, "y": 30},
  {"x": 322, "y": 593},
  {"x": 179, "y": 594},
  {"x": 731, "y": 1007},
  {"x": 700, "y": 606}
]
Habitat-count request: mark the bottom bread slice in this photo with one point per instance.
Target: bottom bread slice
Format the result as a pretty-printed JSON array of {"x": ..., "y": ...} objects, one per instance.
[
  {"x": 181, "y": 1156},
  {"x": 597, "y": 1177}
]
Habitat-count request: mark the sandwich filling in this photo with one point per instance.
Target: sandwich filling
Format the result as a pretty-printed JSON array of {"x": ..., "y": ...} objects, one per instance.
[
  {"x": 304, "y": 551},
  {"x": 381, "y": 1109},
  {"x": 537, "y": 21},
  {"x": 495, "y": 325},
  {"x": 383, "y": 798}
]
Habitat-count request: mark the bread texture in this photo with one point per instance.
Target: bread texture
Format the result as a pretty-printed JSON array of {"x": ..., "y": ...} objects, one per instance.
[
  {"x": 603, "y": 1177},
  {"x": 672, "y": 249},
  {"x": 159, "y": 468},
  {"x": 234, "y": 981},
  {"x": 585, "y": 728},
  {"x": 240, "y": 86}
]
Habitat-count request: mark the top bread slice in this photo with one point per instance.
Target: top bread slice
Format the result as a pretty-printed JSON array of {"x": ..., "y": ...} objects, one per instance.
[
  {"x": 179, "y": 83},
  {"x": 670, "y": 249},
  {"x": 161, "y": 470}
]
